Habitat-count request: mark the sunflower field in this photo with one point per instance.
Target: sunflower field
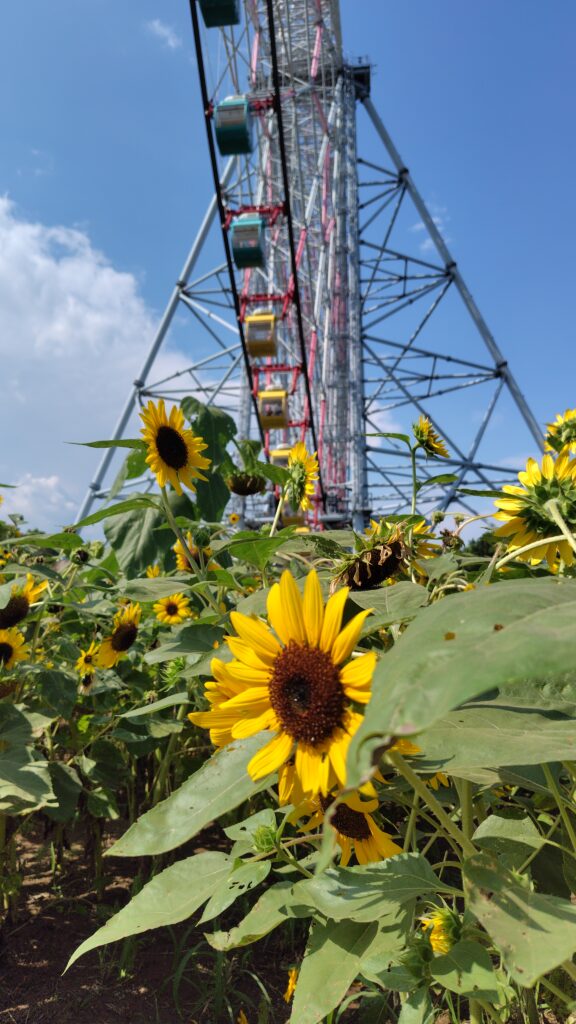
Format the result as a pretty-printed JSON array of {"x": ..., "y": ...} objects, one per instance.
[{"x": 347, "y": 762}]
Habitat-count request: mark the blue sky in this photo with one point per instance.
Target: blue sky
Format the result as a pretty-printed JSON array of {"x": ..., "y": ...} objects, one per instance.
[{"x": 105, "y": 176}]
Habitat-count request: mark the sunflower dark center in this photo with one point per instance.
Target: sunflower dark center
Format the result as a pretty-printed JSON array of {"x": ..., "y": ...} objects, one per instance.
[
  {"x": 349, "y": 823},
  {"x": 124, "y": 636},
  {"x": 6, "y": 652},
  {"x": 171, "y": 447},
  {"x": 306, "y": 693},
  {"x": 17, "y": 609},
  {"x": 172, "y": 609},
  {"x": 87, "y": 659}
]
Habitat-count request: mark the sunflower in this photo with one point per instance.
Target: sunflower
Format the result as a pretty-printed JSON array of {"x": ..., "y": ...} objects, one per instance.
[
  {"x": 443, "y": 928},
  {"x": 13, "y": 648},
  {"x": 302, "y": 476},
  {"x": 123, "y": 636},
  {"x": 356, "y": 830},
  {"x": 387, "y": 550},
  {"x": 173, "y": 452},
  {"x": 183, "y": 562},
  {"x": 562, "y": 432},
  {"x": 291, "y": 985},
  {"x": 152, "y": 571},
  {"x": 526, "y": 519},
  {"x": 86, "y": 664},
  {"x": 20, "y": 602},
  {"x": 173, "y": 610},
  {"x": 233, "y": 518},
  {"x": 300, "y": 684},
  {"x": 429, "y": 439}
]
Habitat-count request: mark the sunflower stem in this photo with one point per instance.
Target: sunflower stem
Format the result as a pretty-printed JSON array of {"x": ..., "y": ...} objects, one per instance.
[
  {"x": 411, "y": 823},
  {"x": 414, "y": 479},
  {"x": 426, "y": 796},
  {"x": 551, "y": 782},
  {"x": 556, "y": 991},
  {"x": 552, "y": 507},
  {"x": 570, "y": 969},
  {"x": 174, "y": 526},
  {"x": 279, "y": 508},
  {"x": 529, "y": 547}
]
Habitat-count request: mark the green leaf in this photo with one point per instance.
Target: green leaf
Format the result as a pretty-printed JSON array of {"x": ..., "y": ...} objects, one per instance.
[
  {"x": 258, "y": 550},
  {"x": 136, "y": 537},
  {"x": 213, "y": 425},
  {"x": 219, "y": 786},
  {"x": 126, "y": 442},
  {"x": 533, "y": 933},
  {"x": 196, "y": 638},
  {"x": 59, "y": 541},
  {"x": 271, "y": 910},
  {"x": 101, "y": 803},
  {"x": 212, "y": 496},
  {"x": 466, "y": 970},
  {"x": 59, "y": 690},
  {"x": 134, "y": 466},
  {"x": 169, "y": 897},
  {"x": 368, "y": 892},
  {"x": 331, "y": 963},
  {"x": 240, "y": 881},
  {"x": 153, "y": 589},
  {"x": 157, "y": 705},
  {"x": 417, "y": 1008},
  {"x": 510, "y": 837},
  {"x": 24, "y": 785},
  {"x": 398, "y": 437},
  {"x": 67, "y": 788},
  {"x": 442, "y": 478},
  {"x": 277, "y": 474},
  {"x": 15, "y": 726},
  {"x": 244, "y": 831},
  {"x": 512, "y": 633},
  {"x": 391, "y": 604},
  {"x": 480, "y": 494},
  {"x": 130, "y": 505}
]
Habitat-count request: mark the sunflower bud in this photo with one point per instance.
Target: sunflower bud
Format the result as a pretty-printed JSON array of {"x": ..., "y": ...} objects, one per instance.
[{"x": 265, "y": 839}]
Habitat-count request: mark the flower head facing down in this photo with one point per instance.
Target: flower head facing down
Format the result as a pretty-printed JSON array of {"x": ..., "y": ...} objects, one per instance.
[
  {"x": 443, "y": 928},
  {"x": 122, "y": 638},
  {"x": 561, "y": 433},
  {"x": 13, "y": 648},
  {"x": 173, "y": 450},
  {"x": 356, "y": 830},
  {"x": 173, "y": 610},
  {"x": 294, "y": 677},
  {"x": 429, "y": 439},
  {"x": 386, "y": 551},
  {"x": 302, "y": 476},
  {"x": 152, "y": 571},
  {"x": 525, "y": 517},
  {"x": 20, "y": 602}
]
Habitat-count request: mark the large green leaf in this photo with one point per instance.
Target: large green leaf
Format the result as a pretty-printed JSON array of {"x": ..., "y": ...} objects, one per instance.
[
  {"x": 136, "y": 535},
  {"x": 417, "y": 1008},
  {"x": 391, "y": 604},
  {"x": 24, "y": 784},
  {"x": 220, "y": 785},
  {"x": 212, "y": 424},
  {"x": 271, "y": 910},
  {"x": 134, "y": 504},
  {"x": 508, "y": 634},
  {"x": 533, "y": 933},
  {"x": 169, "y": 897},
  {"x": 198, "y": 638},
  {"x": 256, "y": 549},
  {"x": 331, "y": 963},
  {"x": 59, "y": 690},
  {"x": 153, "y": 589},
  {"x": 212, "y": 496},
  {"x": 511, "y": 838},
  {"x": 67, "y": 788},
  {"x": 240, "y": 881},
  {"x": 466, "y": 970},
  {"x": 369, "y": 892},
  {"x": 15, "y": 726}
]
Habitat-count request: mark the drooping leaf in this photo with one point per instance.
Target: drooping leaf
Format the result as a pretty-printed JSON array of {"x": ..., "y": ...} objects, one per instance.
[
  {"x": 219, "y": 786},
  {"x": 169, "y": 897},
  {"x": 533, "y": 933},
  {"x": 510, "y": 837},
  {"x": 157, "y": 705},
  {"x": 271, "y": 910},
  {"x": 466, "y": 970},
  {"x": 331, "y": 963},
  {"x": 153, "y": 589},
  {"x": 199, "y": 637},
  {"x": 137, "y": 503},
  {"x": 67, "y": 788},
  {"x": 240, "y": 881}
]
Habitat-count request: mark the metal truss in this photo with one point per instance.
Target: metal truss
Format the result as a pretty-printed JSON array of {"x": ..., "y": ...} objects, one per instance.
[{"x": 354, "y": 311}]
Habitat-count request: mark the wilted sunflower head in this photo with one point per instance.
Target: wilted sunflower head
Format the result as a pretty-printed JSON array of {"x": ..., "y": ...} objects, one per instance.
[
  {"x": 387, "y": 550},
  {"x": 122, "y": 638},
  {"x": 294, "y": 677},
  {"x": 524, "y": 513},
  {"x": 302, "y": 476},
  {"x": 173, "y": 450},
  {"x": 562, "y": 432},
  {"x": 20, "y": 601},
  {"x": 429, "y": 439},
  {"x": 173, "y": 610},
  {"x": 13, "y": 648},
  {"x": 443, "y": 929}
]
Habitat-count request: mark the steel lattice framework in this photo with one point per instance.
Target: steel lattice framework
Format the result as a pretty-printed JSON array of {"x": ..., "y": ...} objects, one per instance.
[{"x": 352, "y": 308}]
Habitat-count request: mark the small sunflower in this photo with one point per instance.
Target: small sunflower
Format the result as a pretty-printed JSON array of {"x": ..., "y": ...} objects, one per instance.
[
  {"x": 233, "y": 518},
  {"x": 152, "y": 571},
  {"x": 303, "y": 474},
  {"x": 13, "y": 648},
  {"x": 183, "y": 562},
  {"x": 562, "y": 432},
  {"x": 173, "y": 451},
  {"x": 356, "y": 830},
  {"x": 20, "y": 602},
  {"x": 86, "y": 664},
  {"x": 173, "y": 610},
  {"x": 291, "y": 985},
  {"x": 443, "y": 928},
  {"x": 299, "y": 684},
  {"x": 123, "y": 636},
  {"x": 526, "y": 519},
  {"x": 429, "y": 439}
]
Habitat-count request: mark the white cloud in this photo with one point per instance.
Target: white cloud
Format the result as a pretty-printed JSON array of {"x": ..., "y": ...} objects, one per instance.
[
  {"x": 74, "y": 331},
  {"x": 165, "y": 33},
  {"x": 441, "y": 219}
]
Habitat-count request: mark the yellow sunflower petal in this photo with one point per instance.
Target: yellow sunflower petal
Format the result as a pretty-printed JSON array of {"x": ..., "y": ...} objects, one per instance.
[
  {"x": 275, "y": 608},
  {"x": 271, "y": 756},
  {"x": 292, "y": 607},
  {"x": 250, "y": 726},
  {"x": 257, "y": 635},
  {"x": 313, "y": 608},
  {"x": 245, "y": 653},
  {"x": 333, "y": 619},
  {"x": 358, "y": 672},
  {"x": 346, "y": 641},
  {"x": 252, "y": 695}
]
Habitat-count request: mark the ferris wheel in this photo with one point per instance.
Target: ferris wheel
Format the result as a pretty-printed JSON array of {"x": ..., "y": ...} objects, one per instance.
[{"x": 293, "y": 326}]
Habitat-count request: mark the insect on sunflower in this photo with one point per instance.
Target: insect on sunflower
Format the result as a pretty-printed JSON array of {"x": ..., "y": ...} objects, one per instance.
[
  {"x": 13, "y": 648},
  {"x": 429, "y": 439},
  {"x": 525, "y": 517},
  {"x": 173, "y": 450},
  {"x": 295, "y": 679},
  {"x": 123, "y": 636},
  {"x": 173, "y": 610},
  {"x": 20, "y": 602}
]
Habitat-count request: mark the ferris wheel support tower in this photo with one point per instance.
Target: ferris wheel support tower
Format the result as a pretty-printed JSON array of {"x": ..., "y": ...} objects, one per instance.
[{"x": 303, "y": 329}]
